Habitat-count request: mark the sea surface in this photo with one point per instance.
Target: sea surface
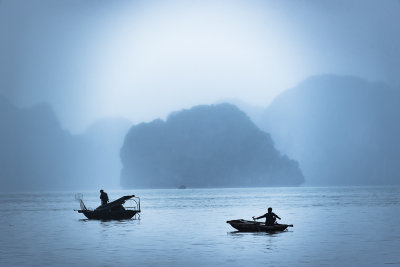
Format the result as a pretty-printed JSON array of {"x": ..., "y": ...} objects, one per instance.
[{"x": 333, "y": 226}]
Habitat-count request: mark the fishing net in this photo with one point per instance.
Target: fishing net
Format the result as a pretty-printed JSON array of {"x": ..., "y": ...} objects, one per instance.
[
  {"x": 79, "y": 198},
  {"x": 131, "y": 204}
]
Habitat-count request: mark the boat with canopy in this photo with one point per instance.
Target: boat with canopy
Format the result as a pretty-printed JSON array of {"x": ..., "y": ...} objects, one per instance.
[{"x": 114, "y": 210}]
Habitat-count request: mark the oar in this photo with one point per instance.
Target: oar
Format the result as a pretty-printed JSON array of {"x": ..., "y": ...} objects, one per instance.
[{"x": 255, "y": 222}]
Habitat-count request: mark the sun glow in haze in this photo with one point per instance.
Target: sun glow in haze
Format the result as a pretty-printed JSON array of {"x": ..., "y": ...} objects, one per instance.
[
  {"x": 144, "y": 59},
  {"x": 163, "y": 57}
]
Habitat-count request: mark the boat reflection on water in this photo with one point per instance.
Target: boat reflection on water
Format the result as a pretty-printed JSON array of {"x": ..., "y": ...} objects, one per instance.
[{"x": 111, "y": 211}]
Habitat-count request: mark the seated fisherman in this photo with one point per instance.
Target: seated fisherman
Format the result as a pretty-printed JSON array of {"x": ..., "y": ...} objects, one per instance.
[
  {"x": 270, "y": 217},
  {"x": 103, "y": 197}
]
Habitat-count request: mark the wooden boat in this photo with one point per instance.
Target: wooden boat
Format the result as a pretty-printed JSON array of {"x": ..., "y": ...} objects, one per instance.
[
  {"x": 253, "y": 226},
  {"x": 111, "y": 211}
]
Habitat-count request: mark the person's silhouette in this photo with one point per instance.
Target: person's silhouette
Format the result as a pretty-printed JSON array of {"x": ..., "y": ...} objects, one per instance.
[
  {"x": 270, "y": 217},
  {"x": 103, "y": 197}
]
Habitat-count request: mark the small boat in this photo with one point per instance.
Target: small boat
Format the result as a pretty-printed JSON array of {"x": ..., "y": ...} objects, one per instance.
[
  {"x": 253, "y": 226},
  {"x": 111, "y": 211}
]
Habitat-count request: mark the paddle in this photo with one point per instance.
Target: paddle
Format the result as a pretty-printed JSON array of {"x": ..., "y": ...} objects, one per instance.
[{"x": 255, "y": 222}]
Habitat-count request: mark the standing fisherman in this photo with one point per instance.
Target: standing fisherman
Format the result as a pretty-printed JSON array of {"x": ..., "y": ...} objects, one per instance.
[{"x": 103, "y": 197}]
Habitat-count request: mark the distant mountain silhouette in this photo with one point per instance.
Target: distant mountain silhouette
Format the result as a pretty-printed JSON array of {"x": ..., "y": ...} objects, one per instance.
[
  {"x": 206, "y": 146},
  {"x": 37, "y": 154},
  {"x": 34, "y": 148},
  {"x": 105, "y": 138},
  {"x": 254, "y": 112},
  {"x": 343, "y": 130}
]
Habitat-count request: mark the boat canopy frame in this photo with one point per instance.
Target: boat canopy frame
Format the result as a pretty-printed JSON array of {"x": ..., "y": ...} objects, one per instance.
[{"x": 113, "y": 204}]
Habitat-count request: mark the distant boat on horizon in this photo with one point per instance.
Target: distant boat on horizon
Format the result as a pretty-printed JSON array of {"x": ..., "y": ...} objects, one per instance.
[{"x": 182, "y": 186}]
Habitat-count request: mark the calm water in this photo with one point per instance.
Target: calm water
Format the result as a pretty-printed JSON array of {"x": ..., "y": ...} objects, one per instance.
[{"x": 341, "y": 226}]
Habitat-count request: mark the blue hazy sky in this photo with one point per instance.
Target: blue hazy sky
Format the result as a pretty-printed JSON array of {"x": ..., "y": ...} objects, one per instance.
[{"x": 143, "y": 59}]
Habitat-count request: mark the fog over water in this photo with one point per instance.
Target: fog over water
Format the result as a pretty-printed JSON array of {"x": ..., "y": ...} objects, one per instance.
[{"x": 76, "y": 76}]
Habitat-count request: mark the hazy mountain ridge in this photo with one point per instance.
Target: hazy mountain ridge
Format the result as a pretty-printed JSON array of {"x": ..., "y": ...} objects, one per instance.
[
  {"x": 343, "y": 130},
  {"x": 27, "y": 135},
  {"x": 206, "y": 146},
  {"x": 37, "y": 154},
  {"x": 254, "y": 112}
]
